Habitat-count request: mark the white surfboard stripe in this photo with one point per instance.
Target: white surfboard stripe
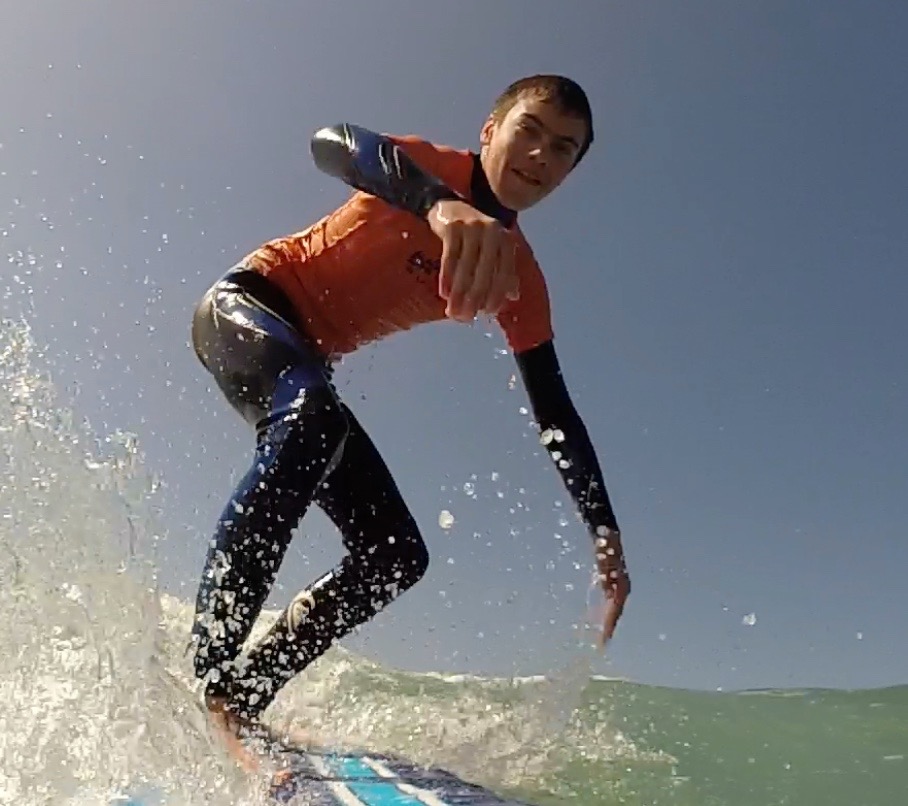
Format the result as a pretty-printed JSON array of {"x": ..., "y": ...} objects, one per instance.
[
  {"x": 340, "y": 791},
  {"x": 422, "y": 795}
]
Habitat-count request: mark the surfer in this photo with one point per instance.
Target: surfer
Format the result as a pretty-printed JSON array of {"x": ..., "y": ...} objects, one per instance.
[{"x": 430, "y": 233}]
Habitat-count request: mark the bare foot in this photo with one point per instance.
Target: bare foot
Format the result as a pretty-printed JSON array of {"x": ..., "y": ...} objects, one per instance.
[{"x": 228, "y": 726}]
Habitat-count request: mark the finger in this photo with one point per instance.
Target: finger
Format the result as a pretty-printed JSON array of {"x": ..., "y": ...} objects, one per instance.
[
  {"x": 505, "y": 276},
  {"x": 451, "y": 246},
  {"x": 612, "y": 614},
  {"x": 463, "y": 273},
  {"x": 486, "y": 268}
]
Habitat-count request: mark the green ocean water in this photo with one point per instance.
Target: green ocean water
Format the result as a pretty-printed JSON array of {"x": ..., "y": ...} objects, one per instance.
[
  {"x": 625, "y": 743},
  {"x": 779, "y": 747}
]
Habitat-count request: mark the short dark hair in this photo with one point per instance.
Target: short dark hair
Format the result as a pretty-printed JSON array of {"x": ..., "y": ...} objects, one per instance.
[{"x": 566, "y": 93}]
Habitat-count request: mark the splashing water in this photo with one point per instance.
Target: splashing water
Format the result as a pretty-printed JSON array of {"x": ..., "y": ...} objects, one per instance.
[{"x": 88, "y": 711}]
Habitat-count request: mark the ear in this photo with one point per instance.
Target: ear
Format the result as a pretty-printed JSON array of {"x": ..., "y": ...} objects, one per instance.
[{"x": 487, "y": 130}]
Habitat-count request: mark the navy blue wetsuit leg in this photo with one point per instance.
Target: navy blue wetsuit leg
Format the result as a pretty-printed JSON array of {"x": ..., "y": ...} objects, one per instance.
[{"x": 309, "y": 448}]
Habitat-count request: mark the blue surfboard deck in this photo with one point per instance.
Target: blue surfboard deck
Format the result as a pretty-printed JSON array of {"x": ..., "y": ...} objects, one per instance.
[
  {"x": 353, "y": 779},
  {"x": 343, "y": 778}
]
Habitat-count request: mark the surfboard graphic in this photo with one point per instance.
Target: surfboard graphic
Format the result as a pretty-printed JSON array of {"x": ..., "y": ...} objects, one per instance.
[{"x": 352, "y": 779}]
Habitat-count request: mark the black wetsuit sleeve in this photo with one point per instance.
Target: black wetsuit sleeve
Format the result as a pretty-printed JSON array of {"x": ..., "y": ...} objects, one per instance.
[
  {"x": 566, "y": 439},
  {"x": 377, "y": 165}
]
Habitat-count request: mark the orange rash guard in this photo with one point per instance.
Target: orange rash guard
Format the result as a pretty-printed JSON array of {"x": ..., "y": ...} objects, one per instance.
[{"x": 369, "y": 269}]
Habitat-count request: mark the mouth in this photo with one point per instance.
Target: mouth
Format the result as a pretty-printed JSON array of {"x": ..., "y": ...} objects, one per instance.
[{"x": 528, "y": 179}]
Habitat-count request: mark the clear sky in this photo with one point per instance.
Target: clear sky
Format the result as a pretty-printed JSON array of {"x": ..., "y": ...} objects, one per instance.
[{"x": 727, "y": 270}]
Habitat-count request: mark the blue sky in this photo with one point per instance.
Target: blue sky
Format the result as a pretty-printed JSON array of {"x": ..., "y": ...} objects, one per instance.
[{"x": 727, "y": 275}]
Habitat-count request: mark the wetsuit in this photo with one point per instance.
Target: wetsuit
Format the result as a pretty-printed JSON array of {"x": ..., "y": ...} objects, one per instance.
[{"x": 268, "y": 332}]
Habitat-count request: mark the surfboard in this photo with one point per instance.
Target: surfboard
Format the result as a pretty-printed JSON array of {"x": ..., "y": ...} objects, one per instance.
[
  {"x": 353, "y": 779},
  {"x": 343, "y": 778}
]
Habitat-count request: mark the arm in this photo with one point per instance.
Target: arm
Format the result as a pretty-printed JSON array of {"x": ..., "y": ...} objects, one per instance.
[
  {"x": 377, "y": 165},
  {"x": 567, "y": 441}
]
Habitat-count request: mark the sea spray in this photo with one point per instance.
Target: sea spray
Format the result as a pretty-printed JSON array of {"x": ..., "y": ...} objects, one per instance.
[{"x": 88, "y": 710}]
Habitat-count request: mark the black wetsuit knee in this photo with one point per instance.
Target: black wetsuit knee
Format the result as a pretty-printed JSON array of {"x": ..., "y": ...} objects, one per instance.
[{"x": 397, "y": 561}]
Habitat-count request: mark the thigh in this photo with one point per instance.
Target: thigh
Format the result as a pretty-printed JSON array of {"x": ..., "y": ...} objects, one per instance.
[
  {"x": 248, "y": 349},
  {"x": 363, "y": 500}
]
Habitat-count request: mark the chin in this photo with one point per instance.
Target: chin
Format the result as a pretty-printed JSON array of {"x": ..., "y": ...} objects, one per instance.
[
  {"x": 522, "y": 198},
  {"x": 516, "y": 200},
  {"x": 523, "y": 201},
  {"x": 515, "y": 196}
]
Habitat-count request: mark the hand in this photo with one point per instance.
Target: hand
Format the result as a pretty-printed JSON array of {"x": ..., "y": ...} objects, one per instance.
[
  {"x": 614, "y": 580},
  {"x": 478, "y": 271}
]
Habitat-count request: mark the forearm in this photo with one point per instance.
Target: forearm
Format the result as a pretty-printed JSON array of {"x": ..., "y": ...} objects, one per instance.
[
  {"x": 377, "y": 165},
  {"x": 567, "y": 441},
  {"x": 565, "y": 437}
]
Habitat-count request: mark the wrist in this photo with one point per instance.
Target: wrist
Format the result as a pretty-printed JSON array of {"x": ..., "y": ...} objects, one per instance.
[{"x": 435, "y": 196}]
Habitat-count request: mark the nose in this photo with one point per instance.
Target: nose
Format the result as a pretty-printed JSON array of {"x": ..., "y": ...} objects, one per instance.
[{"x": 539, "y": 155}]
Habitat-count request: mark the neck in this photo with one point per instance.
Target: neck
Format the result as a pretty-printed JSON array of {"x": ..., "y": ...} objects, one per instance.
[{"x": 484, "y": 197}]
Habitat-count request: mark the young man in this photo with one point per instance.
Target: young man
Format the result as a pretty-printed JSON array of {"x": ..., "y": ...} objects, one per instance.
[{"x": 430, "y": 233}]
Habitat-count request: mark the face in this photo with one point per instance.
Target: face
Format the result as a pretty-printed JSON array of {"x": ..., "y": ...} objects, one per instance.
[{"x": 529, "y": 153}]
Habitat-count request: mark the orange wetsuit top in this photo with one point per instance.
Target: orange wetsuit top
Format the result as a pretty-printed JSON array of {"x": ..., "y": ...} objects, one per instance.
[{"x": 370, "y": 269}]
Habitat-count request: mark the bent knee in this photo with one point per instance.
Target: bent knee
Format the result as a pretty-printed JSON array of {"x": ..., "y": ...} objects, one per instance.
[
  {"x": 418, "y": 561},
  {"x": 402, "y": 560}
]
